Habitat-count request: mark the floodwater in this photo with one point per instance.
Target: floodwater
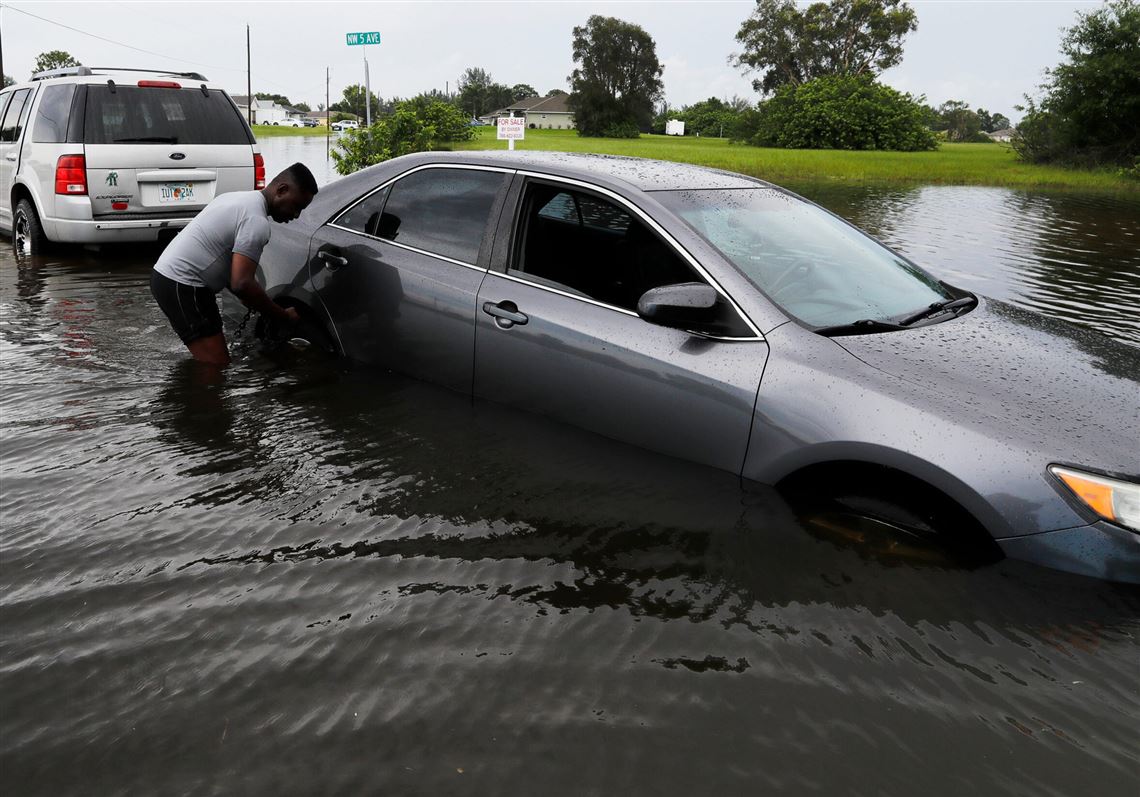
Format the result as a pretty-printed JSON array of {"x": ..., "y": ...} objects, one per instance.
[{"x": 306, "y": 579}]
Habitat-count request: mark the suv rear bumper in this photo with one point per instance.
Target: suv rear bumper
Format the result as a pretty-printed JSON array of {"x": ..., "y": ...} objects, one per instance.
[{"x": 106, "y": 231}]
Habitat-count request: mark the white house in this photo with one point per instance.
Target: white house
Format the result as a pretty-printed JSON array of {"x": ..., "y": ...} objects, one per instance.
[
  {"x": 265, "y": 112},
  {"x": 674, "y": 127},
  {"x": 1002, "y": 135},
  {"x": 541, "y": 113}
]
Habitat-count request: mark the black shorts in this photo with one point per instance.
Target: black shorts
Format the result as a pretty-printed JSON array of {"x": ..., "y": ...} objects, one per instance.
[{"x": 193, "y": 312}]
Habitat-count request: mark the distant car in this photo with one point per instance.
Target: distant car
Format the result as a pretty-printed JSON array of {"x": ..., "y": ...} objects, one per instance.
[
  {"x": 91, "y": 155},
  {"x": 310, "y": 122},
  {"x": 288, "y": 123},
  {"x": 347, "y": 124},
  {"x": 722, "y": 320}
]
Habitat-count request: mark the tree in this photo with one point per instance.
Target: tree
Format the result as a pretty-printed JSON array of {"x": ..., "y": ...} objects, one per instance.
[
  {"x": 711, "y": 117},
  {"x": 617, "y": 81},
  {"x": 959, "y": 122},
  {"x": 789, "y": 46},
  {"x": 480, "y": 94},
  {"x": 992, "y": 122},
  {"x": 415, "y": 125},
  {"x": 353, "y": 101},
  {"x": 1090, "y": 112},
  {"x": 8, "y": 81},
  {"x": 53, "y": 59},
  {"x": 520, "y": 91},
  {"x": 552, "y": 92},
  {"x": 837, "y": 112},
  {"x": 280, "y": 99}
]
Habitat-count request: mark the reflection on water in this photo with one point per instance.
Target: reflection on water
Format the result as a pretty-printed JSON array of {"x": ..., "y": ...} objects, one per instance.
[{"x": 299, "y": 578}]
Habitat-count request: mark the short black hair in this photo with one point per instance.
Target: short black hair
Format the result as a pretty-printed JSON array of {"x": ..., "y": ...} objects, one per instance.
[{"x": 301, "y": 177}]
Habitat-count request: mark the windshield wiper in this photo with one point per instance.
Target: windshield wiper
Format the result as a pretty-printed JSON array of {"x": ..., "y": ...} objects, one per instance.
[
  {"x": 936, "y": 308},
  {"x": 865, "y": 326},
  {"x": 148, "y": 139}
]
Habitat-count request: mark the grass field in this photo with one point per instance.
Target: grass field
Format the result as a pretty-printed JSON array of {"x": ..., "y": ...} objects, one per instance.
[
  {"x": 270, "y": 131},
  {"x": 951, "y": 164}
]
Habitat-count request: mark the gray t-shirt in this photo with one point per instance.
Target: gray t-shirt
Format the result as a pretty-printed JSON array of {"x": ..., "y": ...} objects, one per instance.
[{"x": 201, "y": 254}]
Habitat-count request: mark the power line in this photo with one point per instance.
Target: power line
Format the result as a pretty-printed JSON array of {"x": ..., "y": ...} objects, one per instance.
[{"x": 120, "y": 44}]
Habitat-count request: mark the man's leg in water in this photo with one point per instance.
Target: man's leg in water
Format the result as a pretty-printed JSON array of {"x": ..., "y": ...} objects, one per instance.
[{"x": 210, "y": 349}]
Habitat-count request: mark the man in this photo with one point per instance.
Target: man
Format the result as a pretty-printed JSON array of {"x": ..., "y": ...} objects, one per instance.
[{"x": 219, "y": 249}]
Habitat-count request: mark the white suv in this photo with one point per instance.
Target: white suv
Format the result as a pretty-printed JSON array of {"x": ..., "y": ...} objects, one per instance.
[{"x": 96, "y": 155}]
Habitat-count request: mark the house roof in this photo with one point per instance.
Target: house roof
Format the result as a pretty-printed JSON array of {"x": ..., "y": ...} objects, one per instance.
[
  {"x": 1008, "y": 131},
  {"x": 555, "y": 103}
]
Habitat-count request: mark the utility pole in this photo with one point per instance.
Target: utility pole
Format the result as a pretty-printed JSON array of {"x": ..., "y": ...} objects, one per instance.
[
  {"x": 367, "y": 91},
  {"x": 1, "y": 55},
  {"x": 328, "y": 128},
  {"x": 248, "y": 79}
]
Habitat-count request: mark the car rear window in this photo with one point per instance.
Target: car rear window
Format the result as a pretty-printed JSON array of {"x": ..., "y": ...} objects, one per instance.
[
  {"x": 442, "y": 211},
  {"x": 151, "y": 115},
  {"x": 52, "y": 115}
]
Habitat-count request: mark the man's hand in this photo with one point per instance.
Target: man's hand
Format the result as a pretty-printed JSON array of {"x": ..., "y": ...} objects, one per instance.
[{"x": 244, "y": 285}]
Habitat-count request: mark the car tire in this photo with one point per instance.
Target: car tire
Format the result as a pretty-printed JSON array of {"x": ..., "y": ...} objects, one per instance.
[
  {"x": 309, "y": 329},
  {"x": 28, "y": 236},
  {"x": 893, "y": 520}
]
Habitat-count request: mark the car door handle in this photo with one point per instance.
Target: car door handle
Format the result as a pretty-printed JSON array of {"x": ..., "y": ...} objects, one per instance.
[
  {"x": 332, "y": 262},
  {"x": 10, "y": 156},
  {"x": 506, "y": 314}
]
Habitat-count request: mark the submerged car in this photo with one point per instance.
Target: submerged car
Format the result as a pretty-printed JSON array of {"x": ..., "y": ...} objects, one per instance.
[{"x": 720, "y": 319}]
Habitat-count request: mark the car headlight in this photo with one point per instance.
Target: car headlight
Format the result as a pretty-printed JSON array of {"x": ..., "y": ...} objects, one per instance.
[{"x": 1112, "y": 499}]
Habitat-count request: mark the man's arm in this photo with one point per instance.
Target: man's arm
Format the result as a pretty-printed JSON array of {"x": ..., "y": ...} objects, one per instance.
[{"x": 244, "y": 285}]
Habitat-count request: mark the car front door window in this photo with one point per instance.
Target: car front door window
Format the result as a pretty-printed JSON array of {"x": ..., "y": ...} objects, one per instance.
[{"x": 591, "y": 247}]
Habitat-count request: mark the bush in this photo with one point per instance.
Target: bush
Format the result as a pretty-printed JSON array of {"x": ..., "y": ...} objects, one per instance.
[
  {"x": 1090, "y": 112},
  {"x": 416, "y": 125},
  {"x": 625, "y": 129},
  {"x": 838, "y": 112}
]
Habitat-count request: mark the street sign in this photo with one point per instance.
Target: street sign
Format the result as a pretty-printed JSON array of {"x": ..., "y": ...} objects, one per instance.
[{"x": 362, "y": 38}]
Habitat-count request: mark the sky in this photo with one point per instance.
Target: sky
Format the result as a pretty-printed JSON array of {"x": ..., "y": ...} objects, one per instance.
[{"x": 989, "y": 53}]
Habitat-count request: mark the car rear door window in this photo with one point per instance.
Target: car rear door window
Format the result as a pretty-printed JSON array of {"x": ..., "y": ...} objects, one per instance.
[
  {"x": 52, "y": 115},
  {"x": 441, "y": 211},
  {"x": 592, "y": 247},
  {"x": 14, "y": 117},
  {"x": 364, "y": 216},
  {"x": 156, "y": 115}
]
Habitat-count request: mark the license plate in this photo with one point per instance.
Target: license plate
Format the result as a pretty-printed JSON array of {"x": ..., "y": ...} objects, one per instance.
[{"x": 176, "y": 193}]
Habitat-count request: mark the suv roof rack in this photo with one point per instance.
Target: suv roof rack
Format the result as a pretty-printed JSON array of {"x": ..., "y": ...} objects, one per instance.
[
  {"x": 83, "y": 71},
  {"x": 191, "y": 75},
  {"x": 67, "y": 71}
]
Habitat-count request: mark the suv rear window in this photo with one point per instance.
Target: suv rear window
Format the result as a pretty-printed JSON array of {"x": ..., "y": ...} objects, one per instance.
[{"x": 134, "y": 115}]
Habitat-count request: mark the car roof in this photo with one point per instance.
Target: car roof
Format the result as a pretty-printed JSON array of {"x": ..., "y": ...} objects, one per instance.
[
  {"x": 100, "y": 75},
  {"x": 641, "y": 173}
]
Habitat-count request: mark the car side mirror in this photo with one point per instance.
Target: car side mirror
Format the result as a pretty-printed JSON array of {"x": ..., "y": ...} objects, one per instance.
[{"x": 688, "y": 305}]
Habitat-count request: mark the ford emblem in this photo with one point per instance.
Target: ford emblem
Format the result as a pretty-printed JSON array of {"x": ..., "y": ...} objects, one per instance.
[{"x": 177, "y": 156}]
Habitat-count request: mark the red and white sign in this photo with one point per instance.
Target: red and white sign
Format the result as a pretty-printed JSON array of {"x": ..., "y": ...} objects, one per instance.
[{"x": 511, "y": 128}]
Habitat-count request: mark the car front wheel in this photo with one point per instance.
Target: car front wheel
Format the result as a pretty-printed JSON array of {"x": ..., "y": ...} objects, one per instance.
[{"x": 27, "y": 233}]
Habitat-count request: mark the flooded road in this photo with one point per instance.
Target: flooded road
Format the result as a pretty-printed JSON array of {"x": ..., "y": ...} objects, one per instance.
[{"x": 301, "y": 578}]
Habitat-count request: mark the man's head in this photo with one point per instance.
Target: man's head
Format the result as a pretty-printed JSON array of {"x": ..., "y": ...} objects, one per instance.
[{"x": 289, "y": 193}]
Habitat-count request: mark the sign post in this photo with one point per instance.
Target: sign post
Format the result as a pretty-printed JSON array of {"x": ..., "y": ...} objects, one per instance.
[
  {"x": 361, "y": 38},
  {"x": 511, "y": 129}
]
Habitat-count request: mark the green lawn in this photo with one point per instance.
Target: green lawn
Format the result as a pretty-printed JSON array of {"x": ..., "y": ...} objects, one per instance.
[
  {"x": 951, "y": 164},
  {"x": 269, "y": 131}
]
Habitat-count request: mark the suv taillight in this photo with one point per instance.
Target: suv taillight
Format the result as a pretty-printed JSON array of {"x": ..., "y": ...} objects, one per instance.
[
  {"x": 258, "y": 171},
  {"x": 71, "y": 175}
]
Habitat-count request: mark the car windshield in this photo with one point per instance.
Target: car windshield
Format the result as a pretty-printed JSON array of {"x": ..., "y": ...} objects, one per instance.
[{"x": 819, "y": 269}]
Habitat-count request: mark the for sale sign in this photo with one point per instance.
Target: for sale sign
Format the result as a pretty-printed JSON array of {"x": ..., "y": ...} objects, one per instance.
[{"x": 511, "y": 128}]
